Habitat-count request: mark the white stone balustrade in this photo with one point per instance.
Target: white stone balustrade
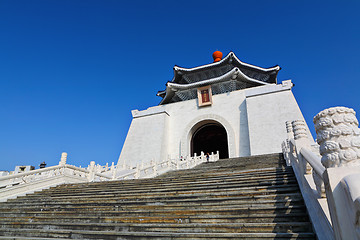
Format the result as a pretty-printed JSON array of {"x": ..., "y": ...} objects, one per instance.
[
  {"x": 297, "y": 153},
  {"x": 339, "y": 137},
  {"x": 335, "y": 210},
  {"x": 63, "y": 158},
  {"x": 27, "y": 182},
  {"x": 153, "y": 168},
  {"x": 302, "y": 140}
]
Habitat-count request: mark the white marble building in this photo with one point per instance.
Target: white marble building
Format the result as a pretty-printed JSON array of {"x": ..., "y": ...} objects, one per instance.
[{"x": 228, "y": 106}]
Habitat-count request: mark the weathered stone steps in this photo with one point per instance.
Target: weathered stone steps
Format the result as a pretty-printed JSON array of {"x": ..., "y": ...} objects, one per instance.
[
  {"x": 282, "y": 227},
  {"x": 199, "y": 173},
  {"x": 220, "y": 200},
  {"x": 114, "y": 235},
  {"x": 234, "y": 180},
  {"x": 191, "y": 198},
  {"x": 142, "y": 205},
  {"x": 215, "y": 196},
  {"x": 250, "y": 218},
  {"x": 181, "y": 190},
  {"x": 241, "y": 211},
  {"x": 238, "y": 176},
  {"x": 168, "y": 187}
]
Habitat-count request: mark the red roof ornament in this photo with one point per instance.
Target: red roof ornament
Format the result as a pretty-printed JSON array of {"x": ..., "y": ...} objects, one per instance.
[{"x": 217, "y": 55}]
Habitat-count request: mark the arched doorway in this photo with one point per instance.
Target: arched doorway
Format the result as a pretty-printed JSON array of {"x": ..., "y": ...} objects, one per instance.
[{"x": 209, "y": 138}]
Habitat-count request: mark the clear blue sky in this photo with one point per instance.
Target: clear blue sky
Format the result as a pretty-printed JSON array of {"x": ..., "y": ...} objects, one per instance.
[{"x": 71, "y": 71}]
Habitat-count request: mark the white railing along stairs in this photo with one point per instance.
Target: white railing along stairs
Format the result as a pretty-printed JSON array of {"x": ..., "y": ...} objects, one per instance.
[
  {"x": 19, "y": 184},
  {"x": 329, "y": 173}
]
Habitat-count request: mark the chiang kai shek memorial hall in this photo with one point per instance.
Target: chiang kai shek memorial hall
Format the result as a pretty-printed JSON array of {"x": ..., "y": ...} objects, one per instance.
[
  {"x": 225, "y": 155},
  {"x": 228, "y": 106}
]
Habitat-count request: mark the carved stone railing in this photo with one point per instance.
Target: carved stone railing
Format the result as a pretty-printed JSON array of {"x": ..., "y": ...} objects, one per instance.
[
  {"x": 307, "y": 166},
  {"x": 154, "y": 168},
  {"x": 19, "y": 184},
  {"x": 27, "y": 182},
  {"x": 329, "y": 181}
]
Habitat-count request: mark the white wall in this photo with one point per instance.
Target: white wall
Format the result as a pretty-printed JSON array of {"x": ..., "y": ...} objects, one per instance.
[
  {"x": 147, "y": 138},
  {"x": 166, "y": 130},
  {"x": 268, "y": 110}
]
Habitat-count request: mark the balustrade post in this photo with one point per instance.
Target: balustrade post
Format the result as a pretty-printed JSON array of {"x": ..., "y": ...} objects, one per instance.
[
  {"x": 124, "y": 165},
  {"x": 190, "y": 159},
  {"x": 286, "y": 144},
  {"x": 63, "y": 158},
  {"x": 113, "y": 171},
  {"x": 301, "y": 140},
  {"x": 91, "y": 175},
  {"x": 202, "y": 157},
  {"x": 137, "y": 173},
  {"x": 178, "y": 164},
  {"x": 339, "y": 138},
  {"x": 142, "y": 164},
  {"x": 155, "y": 168},
  {"x": 289, "y": 129}
]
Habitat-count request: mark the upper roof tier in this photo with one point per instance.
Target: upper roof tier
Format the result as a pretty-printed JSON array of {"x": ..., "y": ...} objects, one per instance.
[{"x": 226, "y": 75}]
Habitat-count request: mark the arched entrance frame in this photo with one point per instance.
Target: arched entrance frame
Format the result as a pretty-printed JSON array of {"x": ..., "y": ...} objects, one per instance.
[{"x": 200, "y": 121}]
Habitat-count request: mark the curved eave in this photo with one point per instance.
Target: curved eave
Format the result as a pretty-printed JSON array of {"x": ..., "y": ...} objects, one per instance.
[
  {"x": 178, "y": 70},
  {"x": 270, "y": 69},
  {"x": 161, "y": 93},
  {"x": 172, "y": 87}
]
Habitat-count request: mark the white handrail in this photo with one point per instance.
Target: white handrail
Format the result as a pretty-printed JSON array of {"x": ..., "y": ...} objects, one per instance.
[
  {"x": 157, "y": 168},
  {"x": 6, "y": 180},
  {"x": 32, "y": 172},
  {"x": 313, "y": 160},
  {"x": 27, "y": 182}
]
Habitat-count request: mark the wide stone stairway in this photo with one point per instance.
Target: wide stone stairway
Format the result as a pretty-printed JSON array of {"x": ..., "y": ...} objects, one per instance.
[{"x": 243, "y": 198}]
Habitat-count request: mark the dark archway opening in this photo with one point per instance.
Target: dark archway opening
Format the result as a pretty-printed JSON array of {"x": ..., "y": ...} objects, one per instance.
[{"x": 210, "y": 138}]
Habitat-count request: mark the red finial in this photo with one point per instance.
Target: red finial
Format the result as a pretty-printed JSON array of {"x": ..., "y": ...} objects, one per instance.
[{"x": 217, "y": 55}]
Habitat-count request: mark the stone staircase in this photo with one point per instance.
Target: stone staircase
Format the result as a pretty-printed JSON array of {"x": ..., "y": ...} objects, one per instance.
[{"x": 244, "y": 198}]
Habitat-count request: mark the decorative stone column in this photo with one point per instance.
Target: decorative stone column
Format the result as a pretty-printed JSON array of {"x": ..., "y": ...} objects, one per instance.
[
  {"x": 302, "y": 140},
  {"x": 289, "y": 129},
  {"x": 91, "y": 175},
  {"x": 299, "y": 128},
  {"x": 285, "y": 145},
  {"x": 338, "y": 136},
  {"x": 63, "y": 158},
  {"x": 113, "y": 171}
]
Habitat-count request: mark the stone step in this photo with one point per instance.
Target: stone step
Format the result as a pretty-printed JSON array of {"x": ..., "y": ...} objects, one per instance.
[
  {"x": 152, "y": 207},
  {"x": 159, "y": 189},
  {"x": 193, "y": 183},
  {"x": 250, "y": 162},
  {"x": 147, "y": 204},
  {"x": 184, "y": 188},
  {"x": 215, "y": 167},
  {"x": 151, "y": 183},
  {"x": 203, "y": 200},
  {"x": 213, "y": 194},
  {"x": 251, "y": 218},
  {"x": 225, "y": 189},
  {"x": 280, "y": 227},
  {"x": 174, "y": 181},
  {"x": 240, "y": 211},
  {"x": 110, "y": 235},
  {"x": 200, "y": 173},
  {"x": 220, "y": 200}
]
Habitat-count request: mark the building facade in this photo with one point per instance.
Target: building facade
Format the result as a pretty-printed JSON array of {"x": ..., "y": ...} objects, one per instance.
[{"x": 228, "y": 106}]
